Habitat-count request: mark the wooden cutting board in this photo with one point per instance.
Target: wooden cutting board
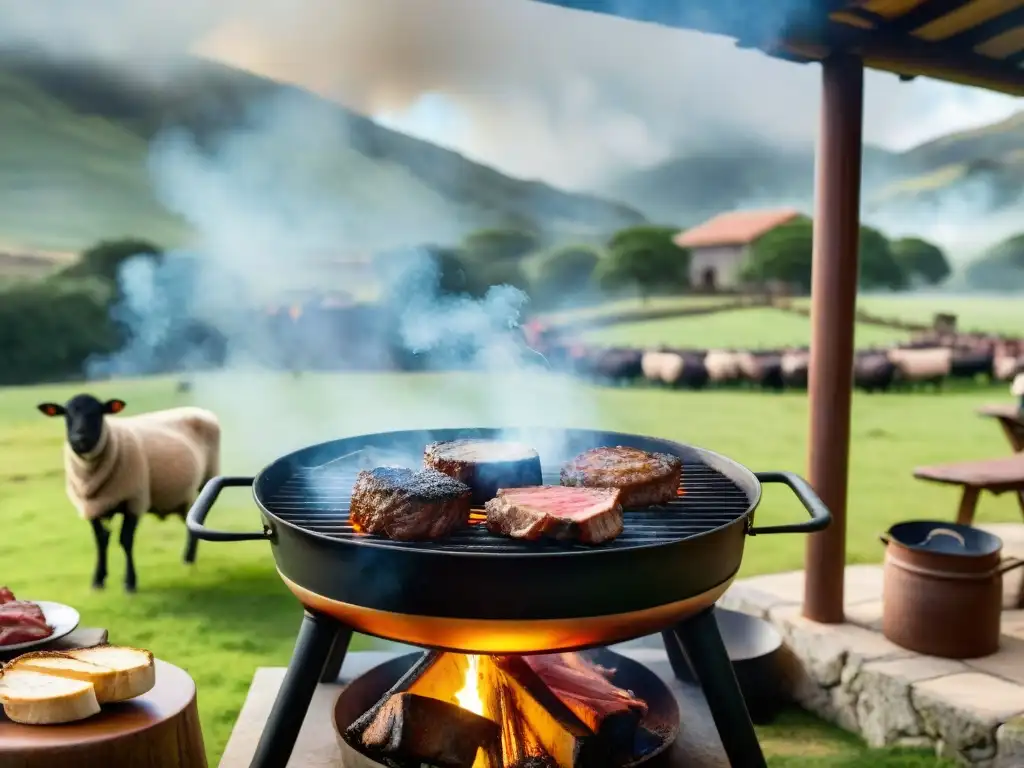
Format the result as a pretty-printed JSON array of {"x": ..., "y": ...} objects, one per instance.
[{"x": 159, "y": 729}]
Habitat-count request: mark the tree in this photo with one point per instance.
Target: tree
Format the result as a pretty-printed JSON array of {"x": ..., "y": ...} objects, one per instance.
[
  {"x": 785, "y": 254},
  {"x": 565, "y": 271},
  {"x": 921, "y": 261},
  {"x": 646, "y": 258},
  {"x": 105, "y": 258},
  {"x": 500, "y": 244},
  {"x": 1000, "y": 268}
]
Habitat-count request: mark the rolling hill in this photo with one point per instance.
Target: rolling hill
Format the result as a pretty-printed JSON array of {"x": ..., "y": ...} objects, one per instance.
[
  {"x": 76, "y": 138},
  {"x": 969, "y": 174}
]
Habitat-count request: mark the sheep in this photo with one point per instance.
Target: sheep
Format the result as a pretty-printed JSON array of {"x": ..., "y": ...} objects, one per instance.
[
  {"x": 1007, "y": 358},
  {"x": 763, "y": 369},
  {"x": 873, "y": 371},
  {"x": 723, "y": 366},
  {"x": 968, "y": 363},
  {"x": 795, "y": 366},
  {"x": 922, "y": 365},
  {"x": 651, "y": 364},
  {"x": 618, "y": 364},
  {"x": 154, "y": 462}
]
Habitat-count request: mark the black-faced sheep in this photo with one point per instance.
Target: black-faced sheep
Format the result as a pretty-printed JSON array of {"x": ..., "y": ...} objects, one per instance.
[
  {"x": 762, "y": 369},
  {"x": 795, "y": 367},
  {"x": 618, "y": 364},
  {"x": 873, "y": 371},
  {"x": 154, "y": 462}
]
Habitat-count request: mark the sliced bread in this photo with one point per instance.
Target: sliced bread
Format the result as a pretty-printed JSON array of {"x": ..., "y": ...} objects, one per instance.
[
  {"x": 134, "y": 670},
  {"x": 34, "y": 698}
]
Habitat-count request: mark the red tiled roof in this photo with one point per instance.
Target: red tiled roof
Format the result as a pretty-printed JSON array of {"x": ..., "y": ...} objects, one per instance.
[{"x": 736, "y": 228}]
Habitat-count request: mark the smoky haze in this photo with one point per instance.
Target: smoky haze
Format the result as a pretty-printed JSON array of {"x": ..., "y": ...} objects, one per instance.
[{"x": 535, "y": 90}]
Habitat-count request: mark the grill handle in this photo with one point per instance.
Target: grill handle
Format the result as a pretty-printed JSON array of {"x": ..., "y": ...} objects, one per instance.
[
  {"x": 820, "y": 515},
  {"x": 205, "y": 501}
]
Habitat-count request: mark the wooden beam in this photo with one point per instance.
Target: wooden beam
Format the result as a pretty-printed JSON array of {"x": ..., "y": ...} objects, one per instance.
[
  {"x": 925, "y": 13},
  {"x": 833, "y": 298},
  {"x": 975, "y": 36}
]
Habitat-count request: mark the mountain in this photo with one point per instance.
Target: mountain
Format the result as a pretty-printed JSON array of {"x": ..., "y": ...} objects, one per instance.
[
  {"x": 76, "y": 142},
  {"x": 965, "y": 174}
]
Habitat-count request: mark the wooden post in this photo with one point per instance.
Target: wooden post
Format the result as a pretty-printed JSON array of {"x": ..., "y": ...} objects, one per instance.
[{"x": 833, "y": 299}]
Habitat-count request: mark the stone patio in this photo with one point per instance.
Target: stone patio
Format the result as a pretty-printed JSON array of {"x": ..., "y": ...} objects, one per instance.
[{"x": 851, "y": 675}]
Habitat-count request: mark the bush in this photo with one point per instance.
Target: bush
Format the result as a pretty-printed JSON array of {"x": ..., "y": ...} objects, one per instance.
[
  {"x": 645, "y": 258},
  {"x": 49, "y": 329},
  {"x": 565, "y": 272},
  {"x": 785, "y": 254},
  {"x": 1000, "y": 268},
  {"x": 921, "y": 261},
  {"x": 493, "y": 245},
  {"x": 105, "y": 258}
]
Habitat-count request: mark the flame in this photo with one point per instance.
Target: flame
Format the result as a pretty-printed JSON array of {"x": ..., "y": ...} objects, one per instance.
[{"x": 469, "y": 695}]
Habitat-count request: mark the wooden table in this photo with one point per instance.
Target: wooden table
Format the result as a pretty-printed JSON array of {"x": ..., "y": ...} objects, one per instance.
[
  {"x": 992, "y": 475},
  {"x": 1010, "y": 419},
  {"x": 317, "y": 747},
  {"x": 159, "y": 729}
]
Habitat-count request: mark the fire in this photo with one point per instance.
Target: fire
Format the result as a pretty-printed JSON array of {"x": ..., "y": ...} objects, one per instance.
[{"x": 468, "y": 696}]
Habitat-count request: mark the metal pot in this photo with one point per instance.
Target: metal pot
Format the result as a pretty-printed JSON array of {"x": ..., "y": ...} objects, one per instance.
[{"x": 942, "y": 590}]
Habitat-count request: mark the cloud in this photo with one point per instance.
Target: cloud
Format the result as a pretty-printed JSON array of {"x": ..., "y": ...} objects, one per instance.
[{"x": 540, "y": 91}]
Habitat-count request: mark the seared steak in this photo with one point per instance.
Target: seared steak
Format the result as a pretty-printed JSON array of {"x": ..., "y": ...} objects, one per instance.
[
  {"x": 406, "y": 505},
  {"x": 588, "y": 515},
  {"x": 645, "y": 479},
  {"x": 485, "y": 465}
]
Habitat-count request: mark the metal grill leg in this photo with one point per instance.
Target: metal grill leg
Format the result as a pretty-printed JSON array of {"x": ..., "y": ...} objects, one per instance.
[
  {"x": 676, "y": 657},
  {"x": 336, "y": 657},
  {"x": 710, "y": 663},
  {"x": 312, "y": 647}
]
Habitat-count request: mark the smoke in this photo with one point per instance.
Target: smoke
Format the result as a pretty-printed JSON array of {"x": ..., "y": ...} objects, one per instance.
[
  {"x": 535, "y": 90},
  {"x": 268, "y": 237}
]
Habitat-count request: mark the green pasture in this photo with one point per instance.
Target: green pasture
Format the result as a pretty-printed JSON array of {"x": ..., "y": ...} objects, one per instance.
[
  {"x": 748, "y": 328},
  {"x": 656, "y": 303},
  {"x": 230, "y": 614},
  {"x": 979, "y": 312}
]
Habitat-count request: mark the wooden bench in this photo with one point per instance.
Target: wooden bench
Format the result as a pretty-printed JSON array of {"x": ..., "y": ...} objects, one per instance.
[{"x": 993, "y": 475}]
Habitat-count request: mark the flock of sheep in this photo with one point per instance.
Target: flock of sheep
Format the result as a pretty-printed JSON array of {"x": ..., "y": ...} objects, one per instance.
[{"x": 930, "y": 359}]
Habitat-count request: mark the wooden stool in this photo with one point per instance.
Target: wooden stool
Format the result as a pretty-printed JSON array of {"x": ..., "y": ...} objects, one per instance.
[{"x": 159, "y": 729}]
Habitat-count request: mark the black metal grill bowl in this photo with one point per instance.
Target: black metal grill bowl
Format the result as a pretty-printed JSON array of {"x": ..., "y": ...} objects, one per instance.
[{"x": 479, "y": 593}]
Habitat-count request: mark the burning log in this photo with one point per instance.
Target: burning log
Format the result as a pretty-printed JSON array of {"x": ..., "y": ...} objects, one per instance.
[
  {"x": 415, "y": 728},
  {"x": 610, "y": 712},
  {"x": 535, "y": 723}
]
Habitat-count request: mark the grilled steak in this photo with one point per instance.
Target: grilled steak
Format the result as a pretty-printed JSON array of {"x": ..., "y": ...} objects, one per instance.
[
  {"x": 406, "y": 505},
  {"x": 21, "y": 612},
  {"x": 644, "y": 478},
  {"x": 485, "y": 465},
  {"x": 588, "y": 515}
]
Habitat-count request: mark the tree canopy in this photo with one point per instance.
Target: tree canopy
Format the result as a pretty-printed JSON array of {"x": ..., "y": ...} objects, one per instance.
[
  {"x": 644, "y": 258},
  {"x": 565, "y": 271},
  {"x": 785, "y": 254},
  {"x": 105, "y": 258},
  {"x": 500, "y": 244},
  {"x": 921, "y": 261}
]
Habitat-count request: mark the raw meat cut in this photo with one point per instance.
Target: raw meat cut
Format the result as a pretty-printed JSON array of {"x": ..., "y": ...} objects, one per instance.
[{"x": 588, "y": 515}]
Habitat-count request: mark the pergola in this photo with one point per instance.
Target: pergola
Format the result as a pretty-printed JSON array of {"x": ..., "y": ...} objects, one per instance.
[{"x": 972, "y": 42}]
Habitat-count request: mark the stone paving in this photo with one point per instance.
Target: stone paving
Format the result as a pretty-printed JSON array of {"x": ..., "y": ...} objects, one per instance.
[{"x": 849, "y": 674}]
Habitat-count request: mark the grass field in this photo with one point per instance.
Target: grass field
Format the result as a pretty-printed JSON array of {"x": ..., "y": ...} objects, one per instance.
[
  {"x": 230, "y": 613},
  {"x": 632, "y": 305},
  {"x": 996, "y": 313},
  {"x": 747, "y": 328}
]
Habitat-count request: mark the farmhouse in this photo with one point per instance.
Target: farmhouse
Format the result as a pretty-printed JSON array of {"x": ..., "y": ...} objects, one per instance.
[{"x": 720, "y": 246}]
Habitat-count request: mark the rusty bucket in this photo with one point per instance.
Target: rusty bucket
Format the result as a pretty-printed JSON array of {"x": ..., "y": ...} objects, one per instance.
[{"x": 942, "y": 588}]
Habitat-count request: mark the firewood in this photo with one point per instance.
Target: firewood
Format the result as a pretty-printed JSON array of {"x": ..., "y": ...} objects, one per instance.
[
  {"x": 535, "y": 722},
  {"x": 354, "y": 733},
  {"x": 415, "y": 728},
  {"x": 613, "y": 713}
]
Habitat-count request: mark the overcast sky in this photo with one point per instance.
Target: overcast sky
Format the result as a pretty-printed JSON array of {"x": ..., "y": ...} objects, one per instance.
[{"x": 535, "y": 90}]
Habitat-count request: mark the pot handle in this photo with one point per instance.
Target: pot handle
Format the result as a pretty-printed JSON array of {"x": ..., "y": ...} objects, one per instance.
[
  {"x": 1009, "y": 563},
  {"x": 205, "y": 501},
  {"x": 820, "y": 515}
]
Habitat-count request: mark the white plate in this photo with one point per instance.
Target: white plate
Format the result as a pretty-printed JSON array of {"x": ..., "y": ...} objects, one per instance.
[{"x": 63, "y": 618}]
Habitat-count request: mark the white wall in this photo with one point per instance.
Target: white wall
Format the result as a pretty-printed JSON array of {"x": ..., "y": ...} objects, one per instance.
[{"x": 726, "y": 260}]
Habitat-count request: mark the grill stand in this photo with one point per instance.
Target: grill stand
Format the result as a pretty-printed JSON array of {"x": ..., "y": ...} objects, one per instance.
[{"x": 323, "y": 641}]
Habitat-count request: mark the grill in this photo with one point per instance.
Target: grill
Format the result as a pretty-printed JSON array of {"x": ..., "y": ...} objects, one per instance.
[
  {"x": 318, "y": 502},
  {"x": 478, "y": 593}
]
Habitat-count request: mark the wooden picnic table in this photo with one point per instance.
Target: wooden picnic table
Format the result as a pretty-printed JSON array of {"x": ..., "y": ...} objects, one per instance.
[
  {"x": 992, "y": 475},
  {"x": 1010, "y": 419}
]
